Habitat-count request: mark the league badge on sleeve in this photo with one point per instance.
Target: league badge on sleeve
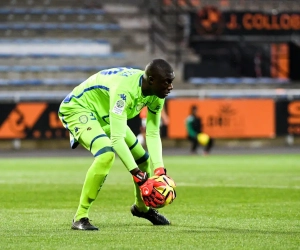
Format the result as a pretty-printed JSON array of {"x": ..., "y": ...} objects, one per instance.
[{"x": 119, "y": 107}]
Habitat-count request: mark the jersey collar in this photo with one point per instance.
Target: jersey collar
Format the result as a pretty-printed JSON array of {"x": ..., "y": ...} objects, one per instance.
[{"x": 141, "y": 80}]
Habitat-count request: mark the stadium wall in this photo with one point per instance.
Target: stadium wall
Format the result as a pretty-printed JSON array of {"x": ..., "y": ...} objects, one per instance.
[{"x": 232, "y": 122}]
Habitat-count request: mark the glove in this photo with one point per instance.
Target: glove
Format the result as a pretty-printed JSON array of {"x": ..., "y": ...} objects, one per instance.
[
  {"x": 145, "y": 184},
  {"x": 149, "y": 194},
  {"x": 162, "y": 171},
  {"x": 154, "y": 200}
]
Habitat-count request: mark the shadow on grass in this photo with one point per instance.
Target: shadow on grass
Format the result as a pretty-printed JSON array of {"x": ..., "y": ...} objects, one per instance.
[
  {"x": 236, "y": 231},
  {"x": 192, "y": 229}
]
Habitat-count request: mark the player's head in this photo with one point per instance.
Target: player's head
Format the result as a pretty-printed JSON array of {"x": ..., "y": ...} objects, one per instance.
[
  {"x": 194, "y": 110},
  {"x": 158, "y": 77}
]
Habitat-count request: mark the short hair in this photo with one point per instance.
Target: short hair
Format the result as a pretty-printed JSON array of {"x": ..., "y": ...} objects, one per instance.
[
  {"x": 158, "y": 67},
  {"x": 193, "y": 108}
]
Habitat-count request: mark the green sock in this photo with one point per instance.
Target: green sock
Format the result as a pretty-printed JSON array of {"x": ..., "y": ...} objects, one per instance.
[
  {"x": 138, "y": 152},
  {"x": 145, "y": 167},
  {"x": 94, "y": 180}
]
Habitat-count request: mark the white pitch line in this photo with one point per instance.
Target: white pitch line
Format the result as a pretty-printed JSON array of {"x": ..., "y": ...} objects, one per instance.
[
  {"x": 183, "y": 184},
  {"x": 178, "y": 184}
]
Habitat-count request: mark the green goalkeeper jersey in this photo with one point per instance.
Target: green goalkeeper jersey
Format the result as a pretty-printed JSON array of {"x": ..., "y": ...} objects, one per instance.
[{"x": 114, "y": 96}]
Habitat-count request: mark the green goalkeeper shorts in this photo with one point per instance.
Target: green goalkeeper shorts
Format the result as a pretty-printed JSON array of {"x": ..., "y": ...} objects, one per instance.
[
  {"x": 82, "y": 121},
  {"x": 84, "y": 128}
]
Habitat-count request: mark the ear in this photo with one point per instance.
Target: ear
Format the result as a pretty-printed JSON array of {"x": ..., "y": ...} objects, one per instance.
[{"x": 150, "y": 80}]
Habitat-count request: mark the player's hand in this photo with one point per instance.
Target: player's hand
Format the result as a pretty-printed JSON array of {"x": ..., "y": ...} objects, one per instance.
[
  {"x": 155, "y": 199},
  {"x": 149, "y": 194},
  {"x": 162, "y": 171},
  {"x": 145, "y": 184}
]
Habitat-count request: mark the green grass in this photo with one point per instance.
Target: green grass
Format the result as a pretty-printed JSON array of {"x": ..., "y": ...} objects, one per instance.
[{"x": 223, "y": 202}]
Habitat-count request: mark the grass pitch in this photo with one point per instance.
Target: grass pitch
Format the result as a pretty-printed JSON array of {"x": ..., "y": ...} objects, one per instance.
[{"x": 223, "y": 202}]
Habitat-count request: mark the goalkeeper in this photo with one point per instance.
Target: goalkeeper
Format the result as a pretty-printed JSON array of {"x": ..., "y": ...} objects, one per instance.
[{"x": 96, "y": 114}]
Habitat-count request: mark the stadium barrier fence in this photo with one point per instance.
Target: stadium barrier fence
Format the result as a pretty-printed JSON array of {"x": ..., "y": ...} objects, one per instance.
[{"x": 226, "y": 113}]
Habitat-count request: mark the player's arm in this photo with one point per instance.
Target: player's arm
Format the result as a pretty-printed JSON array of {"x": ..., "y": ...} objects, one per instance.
[
  {"x": 119, "y": 101},
  {"x": 164, "y": 117},
  {"x": 153, "y": 139}
]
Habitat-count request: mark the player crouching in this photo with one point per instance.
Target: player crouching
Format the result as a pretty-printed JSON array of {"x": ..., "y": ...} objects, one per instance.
[{"x": 96, "y": 113}]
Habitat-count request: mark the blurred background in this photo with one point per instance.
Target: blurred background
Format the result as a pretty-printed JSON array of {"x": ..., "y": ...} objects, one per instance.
[{"x": 236, "y": 60}]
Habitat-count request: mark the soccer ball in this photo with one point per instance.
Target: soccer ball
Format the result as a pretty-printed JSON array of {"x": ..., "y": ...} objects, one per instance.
[
  {"x": 203, "y": 139},
  {"x": 166, "y": 187}
]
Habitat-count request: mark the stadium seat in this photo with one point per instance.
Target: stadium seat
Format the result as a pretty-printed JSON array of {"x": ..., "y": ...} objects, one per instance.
[
  {"x": 236, "y": 80},
  {"x": 55, "y": 48},
  {"x": 46, "y": 57},
  {"x": 46, "y": 81},
  {"x": 61, "y": 26},
  {"x": 51, "y": 11},
  {"x": 57, "y": 55},
  {"x": 53, "y": 68}
]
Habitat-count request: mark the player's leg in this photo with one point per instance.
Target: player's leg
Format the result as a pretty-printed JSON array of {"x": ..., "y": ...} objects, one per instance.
[
  {"x": 97, "y": 142},
  {"x": 194, "y": 144},
  {"x": 209, "y": 146},
  {"x": 142, "y": 135},
  {"x": 142, "y": 159},
  {"x": 87, "y": 131}
]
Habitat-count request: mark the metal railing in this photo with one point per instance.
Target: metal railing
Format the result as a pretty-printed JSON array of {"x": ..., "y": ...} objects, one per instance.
[{"x": 58, "y": 96}]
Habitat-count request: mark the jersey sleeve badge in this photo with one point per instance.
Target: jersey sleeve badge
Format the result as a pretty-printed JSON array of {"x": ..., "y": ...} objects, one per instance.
[{"x": 119, "y": 105}]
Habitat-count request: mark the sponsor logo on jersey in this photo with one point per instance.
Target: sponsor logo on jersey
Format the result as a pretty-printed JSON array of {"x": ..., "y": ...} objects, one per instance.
[
  {"x": 123, "y": 97},
  {"x": 83, "y": 119}
]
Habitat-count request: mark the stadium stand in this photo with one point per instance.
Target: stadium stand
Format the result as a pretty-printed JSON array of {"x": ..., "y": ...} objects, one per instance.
[
  {"x": 120, "y": 28},
  {"x": 213, "y": 58},
  {"x": 62, "y": 42},
  {"x": 66, "y": 47}
]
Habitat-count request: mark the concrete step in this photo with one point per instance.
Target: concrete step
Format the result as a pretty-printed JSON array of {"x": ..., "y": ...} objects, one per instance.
[
  {"x": 55, "y": 18},
  {"x": 41, "y": 3},
  {"x": 118, "y": 38}
]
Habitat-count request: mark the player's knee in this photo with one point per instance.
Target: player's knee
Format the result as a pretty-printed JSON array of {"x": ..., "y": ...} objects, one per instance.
[
  {"x": 106, "y": 158},
  {"x": 104, "y": 161},
  {"x": 109, "y": 157}
]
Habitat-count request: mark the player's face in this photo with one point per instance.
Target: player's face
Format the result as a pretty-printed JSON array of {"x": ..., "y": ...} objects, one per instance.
[
  {"x": 195, "y": 112},
  {"x": 162, "y": 85}
]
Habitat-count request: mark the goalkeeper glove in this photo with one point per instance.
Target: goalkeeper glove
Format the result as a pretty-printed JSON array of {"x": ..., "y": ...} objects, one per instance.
[
  {"x": 162, "y": 171},
  {"x": 149, "y": 194}
]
